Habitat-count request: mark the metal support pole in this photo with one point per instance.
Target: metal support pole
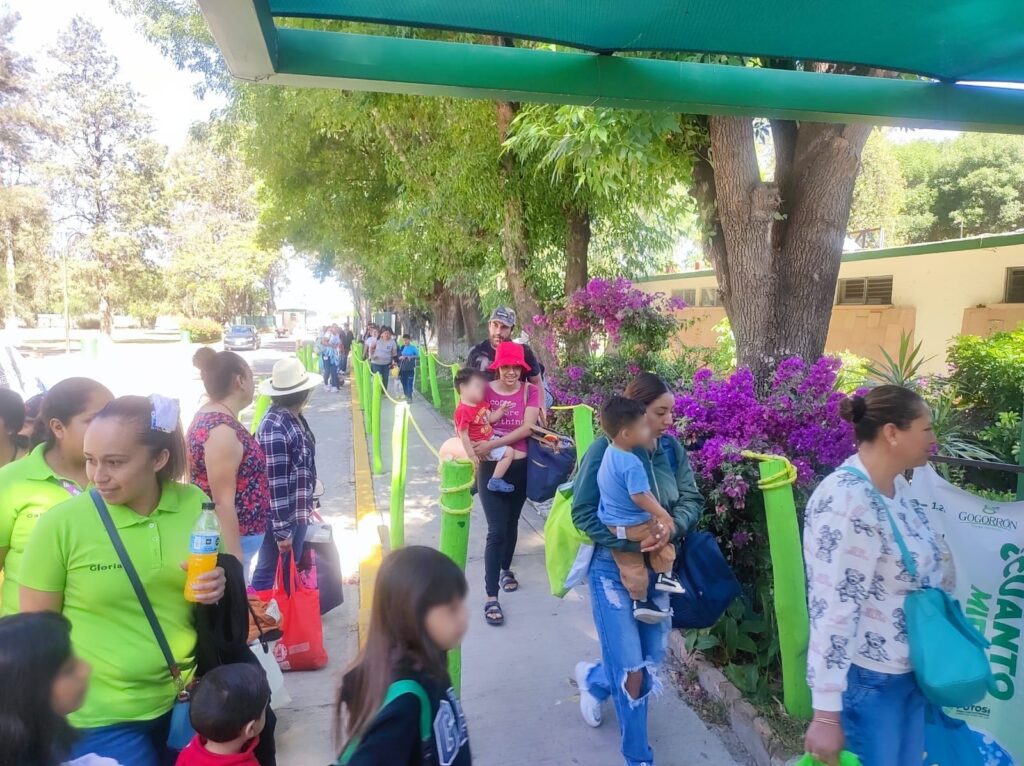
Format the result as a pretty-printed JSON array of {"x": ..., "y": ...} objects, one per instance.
[
  {"x": 582, "y": 429},
  {"x": 456, "y": 504},
  {"x": 378, "y": 395},
  {"x": 1020, "y": 461},
  {"x": 399, "y": 461},
  {"x": 435, "y": 392},
  {"x": 790, "y": 588}
]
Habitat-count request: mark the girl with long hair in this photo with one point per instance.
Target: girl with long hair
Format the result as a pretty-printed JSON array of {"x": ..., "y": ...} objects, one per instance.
[
  {"x": 135, "y": 457},
  {"x": 54, "y": 471},
  {"x": 418, "y": 616},
  {"x": 43, "y": 683},
  {"x": 12, "y": 420}
]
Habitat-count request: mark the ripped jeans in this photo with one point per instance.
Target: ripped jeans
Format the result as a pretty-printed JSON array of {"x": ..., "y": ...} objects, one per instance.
[{"x": 626, "y": 645}]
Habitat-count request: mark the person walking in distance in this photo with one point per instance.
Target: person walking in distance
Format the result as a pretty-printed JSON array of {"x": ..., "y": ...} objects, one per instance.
[
  {"x": 347, "y": 338},
  {"x": 408, "y": 358}
]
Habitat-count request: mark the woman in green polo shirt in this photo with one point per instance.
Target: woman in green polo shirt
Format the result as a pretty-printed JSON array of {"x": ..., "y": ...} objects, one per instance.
[
  {"x": 135, "y": 457},
  {"x": 50, "y": 474}
]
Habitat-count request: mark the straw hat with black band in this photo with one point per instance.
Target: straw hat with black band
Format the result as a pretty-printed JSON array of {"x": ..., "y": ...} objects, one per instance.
[{"x": 289, "y": 377}]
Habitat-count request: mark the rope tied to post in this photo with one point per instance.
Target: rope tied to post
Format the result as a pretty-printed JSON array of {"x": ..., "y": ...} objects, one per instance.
[{"x": 783, "y": 478}]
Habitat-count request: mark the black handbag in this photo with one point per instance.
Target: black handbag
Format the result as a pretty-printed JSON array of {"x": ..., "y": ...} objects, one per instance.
[
  {"x": 708, "y": 582},
  {"x": 320, "y": 550}
]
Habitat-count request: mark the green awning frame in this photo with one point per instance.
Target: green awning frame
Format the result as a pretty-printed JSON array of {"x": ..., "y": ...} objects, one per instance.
[{"x": 256, "y": 49}]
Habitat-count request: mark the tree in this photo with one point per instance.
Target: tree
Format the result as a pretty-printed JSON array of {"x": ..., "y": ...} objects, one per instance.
[
  {"x": 964, "y": 187},
  {"x": 880, "y": 194},
  {"x": 107, "y": 174},
  {"x": 216, "y": 267},
  {"x": 24, "y": 213}
]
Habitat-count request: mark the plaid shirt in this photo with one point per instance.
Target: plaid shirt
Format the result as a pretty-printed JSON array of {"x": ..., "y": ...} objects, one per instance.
[{"x": 291, "y": 468}]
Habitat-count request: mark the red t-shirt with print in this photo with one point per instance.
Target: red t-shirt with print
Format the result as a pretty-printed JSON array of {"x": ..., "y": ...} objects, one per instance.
[{"x": 473, "y": 417}]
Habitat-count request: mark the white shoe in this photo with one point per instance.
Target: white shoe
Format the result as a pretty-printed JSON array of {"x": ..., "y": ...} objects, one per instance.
[
  {"x": 590, "y": 706},
  {"x": 667, "y": 583}
]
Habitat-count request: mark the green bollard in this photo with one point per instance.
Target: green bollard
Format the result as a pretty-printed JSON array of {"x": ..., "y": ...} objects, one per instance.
[
  {"x": 456, "y": 504},
  {"x": 357, "y": 381},
  {"x": 367, "y": 386},
  {"x": 421, "y": 372},
  {"x": 399, "y": 460},
  {"x": 790, "y": 587},
  {"x": 312, "y": 363},
  {"x": 378, "y": 395},
  {"x": 435, "y": 392},
  {"x": 582, "y": 429},
  {"x": 260, "y": 407}
]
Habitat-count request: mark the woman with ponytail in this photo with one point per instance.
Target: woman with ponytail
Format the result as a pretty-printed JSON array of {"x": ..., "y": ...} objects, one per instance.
[
  {"x": 862, "y": 683},
  {"x": 51, "y": 473},
  {"x": 135, "y": 458}
]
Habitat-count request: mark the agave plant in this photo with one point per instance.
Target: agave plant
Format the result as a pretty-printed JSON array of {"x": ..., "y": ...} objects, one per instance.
[
  {"x": 904, "y": 370},
  {"x": 951, "y": 434}
]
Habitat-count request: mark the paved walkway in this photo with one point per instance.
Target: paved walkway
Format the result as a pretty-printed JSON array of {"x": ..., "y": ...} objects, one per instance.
[{"x": 518, "y": 694}]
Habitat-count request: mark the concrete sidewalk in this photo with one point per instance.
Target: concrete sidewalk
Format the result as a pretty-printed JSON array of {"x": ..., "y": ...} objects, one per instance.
[{"x": 518, "y": 692}]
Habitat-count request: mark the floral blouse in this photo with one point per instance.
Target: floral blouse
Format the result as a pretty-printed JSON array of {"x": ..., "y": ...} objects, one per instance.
[{"x": 252, "y": 493}]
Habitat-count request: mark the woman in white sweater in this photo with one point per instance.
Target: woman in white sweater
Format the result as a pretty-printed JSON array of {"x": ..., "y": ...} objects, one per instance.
[{"x": 863, "y": 689}]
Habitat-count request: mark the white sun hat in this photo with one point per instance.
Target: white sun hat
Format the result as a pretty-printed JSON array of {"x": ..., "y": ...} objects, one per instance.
[{"x": 289, "y": 377}]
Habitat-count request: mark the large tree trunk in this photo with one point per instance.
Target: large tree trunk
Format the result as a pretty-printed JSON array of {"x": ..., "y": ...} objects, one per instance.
[
  {"x": 445, "y": 306},
  {"x": 514, "y": 244},
  {"x": 472, "y": 319},
  {"x": 776, "y": 246},
  {"x": 577, "y": 248}
]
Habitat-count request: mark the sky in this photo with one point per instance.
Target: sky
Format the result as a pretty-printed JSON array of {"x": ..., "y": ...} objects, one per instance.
[{"x": 168, "y": 94}]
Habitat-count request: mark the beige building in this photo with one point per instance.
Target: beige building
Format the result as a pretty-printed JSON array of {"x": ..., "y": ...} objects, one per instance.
[{"x": 933, "y": 291}]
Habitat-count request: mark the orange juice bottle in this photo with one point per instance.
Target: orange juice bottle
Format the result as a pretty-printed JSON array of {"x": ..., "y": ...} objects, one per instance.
[{"x": 203, "y": 547}]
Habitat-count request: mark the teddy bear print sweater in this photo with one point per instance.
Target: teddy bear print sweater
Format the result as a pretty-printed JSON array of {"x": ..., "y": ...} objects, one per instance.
[{"x": 856, "y": 581}]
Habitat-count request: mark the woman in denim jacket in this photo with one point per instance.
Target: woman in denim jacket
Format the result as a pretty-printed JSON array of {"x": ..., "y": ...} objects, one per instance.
[{"x": 632, "y": 651}]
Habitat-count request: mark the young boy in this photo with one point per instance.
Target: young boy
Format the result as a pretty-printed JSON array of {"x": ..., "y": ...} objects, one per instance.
[
  {"x": 408, "y": 357},
  {"x": 228, "y": 712},
  {"x": 627, "y": 504},
  {"x": 473, "y": 419}
]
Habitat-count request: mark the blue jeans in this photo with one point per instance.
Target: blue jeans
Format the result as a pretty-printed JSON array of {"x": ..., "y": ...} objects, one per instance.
[
  {"x": 626, "y": 646},
  {"x": 251, "y": 545},
  {"x": 330, "y": 372},
  {"x": 384, "y": 370},
  {"x": 266, "y": 565},
  {"x": 407, "y": 378},
  {"x": 138, "y": 743},
  {"x": 883, "y": 717}
]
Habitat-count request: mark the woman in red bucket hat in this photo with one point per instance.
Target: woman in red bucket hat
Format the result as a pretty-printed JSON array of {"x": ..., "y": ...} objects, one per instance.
[{"x": 502, "y": 509}]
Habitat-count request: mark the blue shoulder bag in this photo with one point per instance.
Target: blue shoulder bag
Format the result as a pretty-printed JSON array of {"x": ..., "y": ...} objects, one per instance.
[
  {"x": 709, "y": 584},
  {"x": 947, "y": 653}
]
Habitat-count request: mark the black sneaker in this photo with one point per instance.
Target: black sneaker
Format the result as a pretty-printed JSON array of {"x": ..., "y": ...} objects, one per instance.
[
  {"x": 648, "y": 611},
  {"x": 669, "y": 583}
]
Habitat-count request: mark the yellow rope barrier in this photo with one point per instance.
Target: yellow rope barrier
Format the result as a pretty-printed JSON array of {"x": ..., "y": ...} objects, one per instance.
[{"x": 784, "y": 478}]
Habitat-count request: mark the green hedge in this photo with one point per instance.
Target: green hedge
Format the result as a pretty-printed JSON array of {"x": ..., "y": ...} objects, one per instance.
[{"x": 203, "y": 330}]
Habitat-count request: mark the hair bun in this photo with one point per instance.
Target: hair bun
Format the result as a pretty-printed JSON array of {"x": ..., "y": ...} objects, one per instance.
[
  {"x": 859, "y": 408},
  {"x": 203, "y": 358}
]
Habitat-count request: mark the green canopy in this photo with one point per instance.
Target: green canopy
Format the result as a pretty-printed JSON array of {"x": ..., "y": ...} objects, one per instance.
[{"x": 950, "y": 42}]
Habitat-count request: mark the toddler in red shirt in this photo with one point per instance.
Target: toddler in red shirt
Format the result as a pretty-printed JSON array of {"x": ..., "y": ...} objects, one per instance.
[
  {"x": 473, "y": 422},
  {"x": 228, "y": 712}
]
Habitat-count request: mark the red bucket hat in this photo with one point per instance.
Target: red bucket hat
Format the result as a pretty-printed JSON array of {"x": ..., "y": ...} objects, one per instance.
[{"x": 509, "y": 354}]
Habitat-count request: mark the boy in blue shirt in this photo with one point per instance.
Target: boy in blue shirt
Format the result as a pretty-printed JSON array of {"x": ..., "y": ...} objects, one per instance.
[
  {"x": 627, "y": 505},
  {"x": 408, "y": 357}
]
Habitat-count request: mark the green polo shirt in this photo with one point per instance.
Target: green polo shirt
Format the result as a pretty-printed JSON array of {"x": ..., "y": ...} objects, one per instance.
[
  {"x": 70, "y": 552},
  {"x": 28, "y": 489}
]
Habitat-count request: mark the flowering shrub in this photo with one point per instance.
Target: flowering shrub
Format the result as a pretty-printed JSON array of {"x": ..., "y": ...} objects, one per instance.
[{"x": 612, "y": 313}]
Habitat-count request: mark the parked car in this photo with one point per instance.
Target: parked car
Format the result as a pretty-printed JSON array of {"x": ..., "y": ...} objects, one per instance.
[{"x": 240, "y": 337}]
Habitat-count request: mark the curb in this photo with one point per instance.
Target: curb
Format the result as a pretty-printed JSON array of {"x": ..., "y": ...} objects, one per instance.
[{"x": 756, "y": 735}]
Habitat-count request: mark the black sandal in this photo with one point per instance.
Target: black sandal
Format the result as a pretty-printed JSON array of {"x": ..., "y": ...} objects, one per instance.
[
  {"x": 508, "y": 581},
  {"x": 493, "y": 613}
]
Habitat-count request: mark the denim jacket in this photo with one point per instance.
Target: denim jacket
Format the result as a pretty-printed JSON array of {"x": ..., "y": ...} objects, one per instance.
[{"x": 672, "y": 482}]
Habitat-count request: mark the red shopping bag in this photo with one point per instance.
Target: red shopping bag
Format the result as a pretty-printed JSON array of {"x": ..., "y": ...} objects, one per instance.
[{"x": 302, "y": 645}]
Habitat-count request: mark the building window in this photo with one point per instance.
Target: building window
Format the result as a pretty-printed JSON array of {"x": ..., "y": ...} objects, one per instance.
[
  {"x": 865, "y": 291},
  {"x": 709, "y": 296},
  {"x": 688, "y": 296},
  {"x": 1015, "y": 285}
]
